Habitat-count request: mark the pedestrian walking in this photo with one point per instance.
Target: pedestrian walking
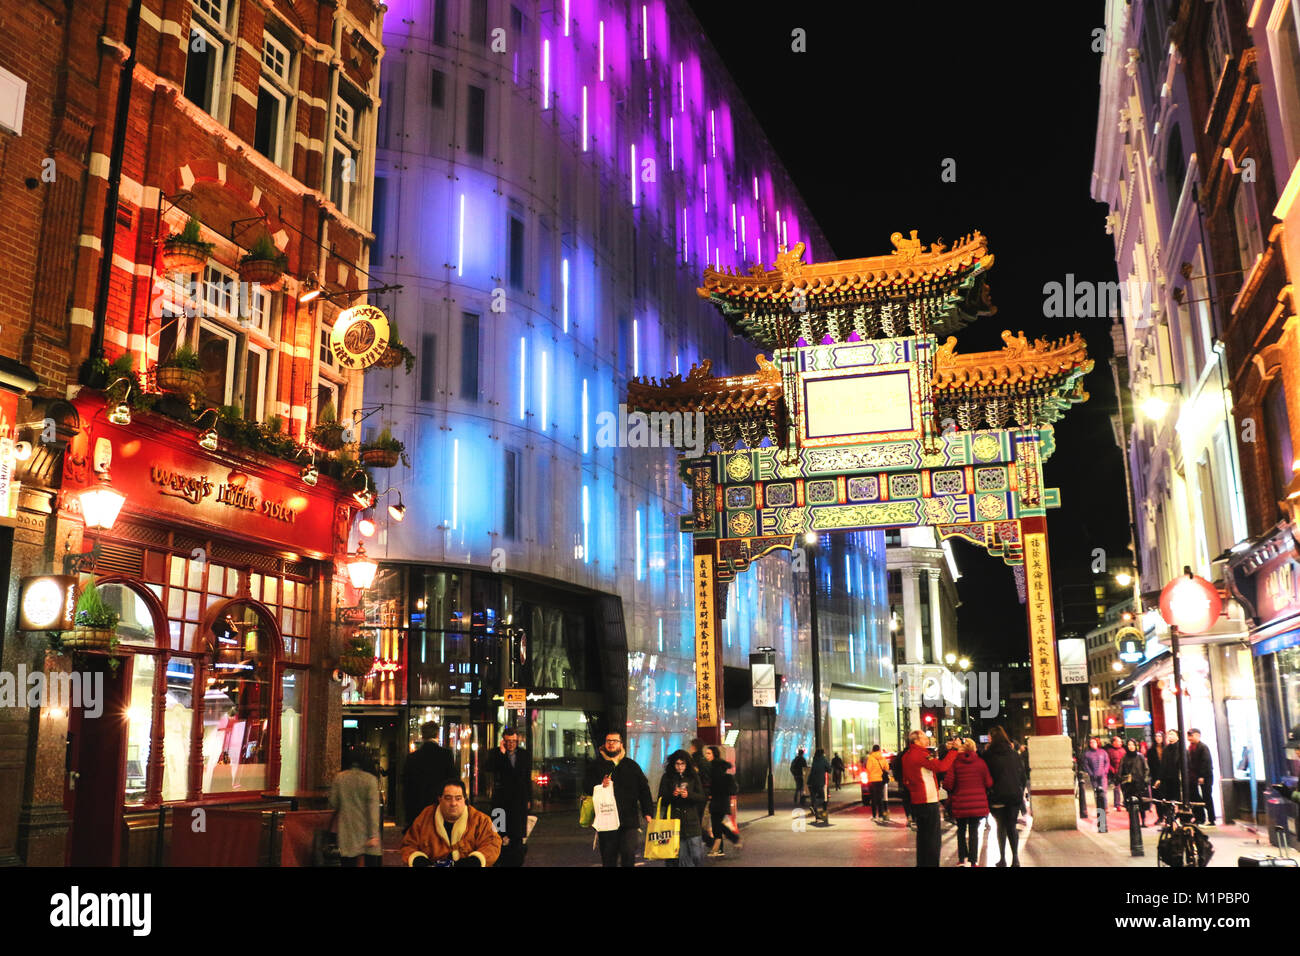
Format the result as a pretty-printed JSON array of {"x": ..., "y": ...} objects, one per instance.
[
  {"x": 1006, "y": 795},
  {"x": 837, "y": 770},
  {"x": 1156, "y": 754},
  {"x": 877, "y": 770},
  {"x": 354, "y": 797},
  {"x": 1200, "y": 768},
  {"x": 682, "y": 794},
  {"x": 509, "y": 772},
  {"x": 426, "y": 770},
  {"x": 968, "y": 782},
  {"x": 1169, "y": 783},
  {"x": 699, "y": 763},
  {"x": 819, "y": 772},
  {"x": 1115, "y": 754},
  {"x": 1096, "y": 764},
  {"x": 614, "y": 768},
  {"x": 896, "y": 771},
  {"x": 919, "y": 770},
  {"x": 1133, "y": 778},
  {"x": 721, "y": 788},
  {"x": 797, "y": 767}
]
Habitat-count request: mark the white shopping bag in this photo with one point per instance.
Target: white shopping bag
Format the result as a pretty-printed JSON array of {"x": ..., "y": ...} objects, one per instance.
[{"x": 606, "y": 809}]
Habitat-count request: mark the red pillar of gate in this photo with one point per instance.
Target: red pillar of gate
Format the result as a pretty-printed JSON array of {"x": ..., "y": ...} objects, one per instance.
[{"x": 1043, "y": 665}]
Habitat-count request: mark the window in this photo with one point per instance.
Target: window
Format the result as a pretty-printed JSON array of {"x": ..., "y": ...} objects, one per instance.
[
  {"x": 440, "y": 22},
  {"x": 438, "y": 89},
  {"x": 274, "y": 94},
  {"x": 478, "y": 15},
  {"x": 379, "y": 217},
  {"x": 469, "y": 335},
  {"x": 344, "y": 155},
  {"x": 207, "y": 55},
  {"x": 1245, "y": 218},
  {"x": 253, "y": 403},
  {"x": 1218, "y": 47},
  {"x": 217, "y": 359},
  {"x": 1175, "y": 169},
  {"x": 428, "y": 352},
  {"x": 515, "y": 227},
  {"x": 326, "y": 354},
  {"x": 329, "y": 392},
  {"x": 1278, "y": 423},
  {"x": 475, "y": 121},
  {"x": 510, "y": 485},
  {"x": 1284, "y": 47}
]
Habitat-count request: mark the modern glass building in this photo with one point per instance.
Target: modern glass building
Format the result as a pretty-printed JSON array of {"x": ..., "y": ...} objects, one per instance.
[{"x": 551, "y": 180}]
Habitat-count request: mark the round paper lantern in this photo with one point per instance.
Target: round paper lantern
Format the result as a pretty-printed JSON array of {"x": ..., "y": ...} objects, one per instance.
[{"x": 1191, "y": 604}]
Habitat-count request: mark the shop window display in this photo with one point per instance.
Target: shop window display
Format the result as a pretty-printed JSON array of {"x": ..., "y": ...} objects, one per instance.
[
  {"x": 139, "y": 724},
  {"x": 236, "y": 704}
]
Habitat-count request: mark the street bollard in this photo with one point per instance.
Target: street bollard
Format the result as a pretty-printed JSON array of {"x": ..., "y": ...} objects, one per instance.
[
  {"x": 1135, "y": 827},
  {"x": 1101, "y": 811},
  {"x": 1083, "y": 800}
]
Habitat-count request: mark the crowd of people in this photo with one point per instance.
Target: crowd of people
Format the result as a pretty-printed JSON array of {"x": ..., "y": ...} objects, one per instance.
[{"x": 1136, "y": 773}]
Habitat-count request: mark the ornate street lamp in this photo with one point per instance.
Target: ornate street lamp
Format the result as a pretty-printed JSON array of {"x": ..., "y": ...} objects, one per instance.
[
  {"x": 361, "y": 569},
  {"x": 100, "y": 504}
]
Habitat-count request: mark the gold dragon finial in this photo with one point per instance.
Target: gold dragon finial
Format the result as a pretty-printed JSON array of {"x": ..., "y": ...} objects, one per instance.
[
  {"x": 906, "y": 249},
  {"x": 790, "y": 262}
]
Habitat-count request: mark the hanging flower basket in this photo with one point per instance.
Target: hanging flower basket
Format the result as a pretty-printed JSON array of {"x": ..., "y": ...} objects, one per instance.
[
  {"x": 88, "y": 639},
  {"x": 329, "y": 435},
  {"x": 265, "y": 272},
  {"x": 380, "y": 457},
  {"x": 356, "y": 663},
  {"x": 179, "y": 381},
  {"x": 389, "y": 359},
  {"x": 184, "y": 257}
]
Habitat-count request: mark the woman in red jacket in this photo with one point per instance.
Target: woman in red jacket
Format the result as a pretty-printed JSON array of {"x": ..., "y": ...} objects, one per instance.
[{"x": 968, "y": 784}]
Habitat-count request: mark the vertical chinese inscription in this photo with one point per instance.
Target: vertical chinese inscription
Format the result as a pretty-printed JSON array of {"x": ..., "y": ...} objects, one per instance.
[
  {"x": 705, "y": 698},
  {"x": 1038, "y": 583}
]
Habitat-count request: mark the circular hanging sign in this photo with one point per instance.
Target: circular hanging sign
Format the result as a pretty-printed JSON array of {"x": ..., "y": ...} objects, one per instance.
[
  {"x": 359, "y": 337},
  {"x": 1192, "y": 604}
]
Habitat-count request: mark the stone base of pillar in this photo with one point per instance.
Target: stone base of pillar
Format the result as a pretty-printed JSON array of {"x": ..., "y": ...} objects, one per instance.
[
  {"x": 43, "y": 835},
  {"x": 1051, "y": 783}
]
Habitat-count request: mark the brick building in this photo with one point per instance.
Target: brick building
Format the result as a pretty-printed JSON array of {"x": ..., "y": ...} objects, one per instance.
[{"x": 252, "y": 122}]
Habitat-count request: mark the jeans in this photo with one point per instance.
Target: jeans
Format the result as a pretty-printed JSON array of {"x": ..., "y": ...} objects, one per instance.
[
  {"x": 968, "y": 839},
  {"x": 878, "y": 800},
  {"x": 690, "y": 854},
  {"x": 1006, "y": 820},
  {"x": 618, "y": 847},
  {"x": 926, "y": 816},
  {"x": 1203, "y": 793}
]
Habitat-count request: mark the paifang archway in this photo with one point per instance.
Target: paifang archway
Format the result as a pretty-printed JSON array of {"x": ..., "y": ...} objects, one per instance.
[{"x": 863, "y": 420}]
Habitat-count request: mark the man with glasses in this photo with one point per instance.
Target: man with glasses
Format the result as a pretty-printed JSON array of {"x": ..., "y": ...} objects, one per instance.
[
  {"x": 614, "y": 768},
  {"x": 509, "y": 769}
]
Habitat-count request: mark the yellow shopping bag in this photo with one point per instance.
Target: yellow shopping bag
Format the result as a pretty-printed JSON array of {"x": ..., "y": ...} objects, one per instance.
[{"x": 663, "y": 837}]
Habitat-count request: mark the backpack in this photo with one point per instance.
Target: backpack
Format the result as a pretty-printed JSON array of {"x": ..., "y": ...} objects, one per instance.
[
  {"x": 896, "y": 767},
  {"x": 795, "y": 768}
]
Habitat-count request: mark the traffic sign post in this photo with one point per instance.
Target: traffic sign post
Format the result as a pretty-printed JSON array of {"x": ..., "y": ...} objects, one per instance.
[
  {"x": 762, "y": 672},
  {"x": 516, "y": 698}
]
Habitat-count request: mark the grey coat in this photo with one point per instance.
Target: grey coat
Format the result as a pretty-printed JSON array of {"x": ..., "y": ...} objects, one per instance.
[{"x": 355, "y": 795}]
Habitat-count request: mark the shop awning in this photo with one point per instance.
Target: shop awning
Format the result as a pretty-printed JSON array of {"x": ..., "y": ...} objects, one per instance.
[{"x": 1140, "y": 675}]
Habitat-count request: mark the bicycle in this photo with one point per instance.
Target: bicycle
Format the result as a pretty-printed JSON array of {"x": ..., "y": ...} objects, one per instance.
[{"x": 1181, "y": 842}]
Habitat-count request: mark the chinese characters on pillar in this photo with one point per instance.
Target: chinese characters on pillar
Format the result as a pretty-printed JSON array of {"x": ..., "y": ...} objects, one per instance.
[
  {"x": 705, "y": 700},
  {"x": 1038, "y": 582}
]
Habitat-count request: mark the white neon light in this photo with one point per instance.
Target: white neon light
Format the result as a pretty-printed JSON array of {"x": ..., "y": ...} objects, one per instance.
[
  {"x": 755, "y": 187},
  {"x": 707, "y": 237},
  {"x": 743, "y": 242},
  {"x": 586, "y": 525},
  {"x": 600, "y": 53},
  {"x": 677, "y": 364},
  {"x": 545, "y": 378},
  {"x": 734, "y": 240},
  {"x": 634, "y": 174},
  {"x": 585, "y": 446},
  {"x": 639, "y": 571},
  {"x": 566, "y": 17},
  {"x": 546, "y": 74},
  {"x": 672, "y": 144},
  {"x": 455, "y": 483},
  {"x": 460, "y": 240},
  {"x": 645, "y": 33},
  {"x": 681, "y": 84},
  {"x": 564, "y": 287},
  {"x": 706, "y": 187},
  {"x": 523, "y": 376},
  {"x": 713, "y": 134},
  {"x": 717, "y": 261},
  {"x": 784, "y": 238},
  {"x": 685, "y": 240}
]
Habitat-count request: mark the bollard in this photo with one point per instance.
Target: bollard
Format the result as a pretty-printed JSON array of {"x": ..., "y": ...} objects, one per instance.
[
  {"x": 1101, "y": 811},
  {"x": 1135, "y": 827},
  {"x": 1083, "y": 800}
]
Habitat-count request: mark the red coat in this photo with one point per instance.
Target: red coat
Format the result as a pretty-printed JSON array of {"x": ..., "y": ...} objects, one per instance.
[
  {"x": 919, "y": 769},
  {"x": 1116, "y": 757},
  {"x": 968, "y": 782}
]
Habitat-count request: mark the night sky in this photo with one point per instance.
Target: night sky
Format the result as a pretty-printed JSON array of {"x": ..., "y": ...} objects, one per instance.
[{"x": 864, "y": 121}]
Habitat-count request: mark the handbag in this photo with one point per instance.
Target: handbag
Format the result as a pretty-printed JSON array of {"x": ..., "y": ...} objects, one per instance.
[
  {"x": 662, "y": 836},
  {"x": 587, "y": 812},
  {"x": 606, "y": 817}
]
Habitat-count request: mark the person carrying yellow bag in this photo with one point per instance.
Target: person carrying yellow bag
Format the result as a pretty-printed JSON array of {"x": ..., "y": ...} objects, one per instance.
[
  {"x": 681, "y": 789},
  {"x": 663, "y": 837}
]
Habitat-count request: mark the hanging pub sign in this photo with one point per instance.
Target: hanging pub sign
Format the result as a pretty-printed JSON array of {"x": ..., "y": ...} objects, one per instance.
[
  {"x": 1130, "y": 644},
  {"x": 47, "y": 602},
  {"x": 360, "y": 337}
]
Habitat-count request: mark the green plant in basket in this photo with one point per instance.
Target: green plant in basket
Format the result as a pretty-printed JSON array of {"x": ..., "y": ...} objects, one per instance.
[{"x": 183, "y": 357}]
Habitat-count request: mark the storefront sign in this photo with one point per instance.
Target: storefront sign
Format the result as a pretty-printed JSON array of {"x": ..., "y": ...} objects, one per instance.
[
  {"x": 1038, "y": 588},
  {"x": 1129, "y": 643},
  {"x": 1074, "y": 660},
  {"x": 1136, "y": 717},
  {"x": 359, "y": 337},
  {"x": 706, "y": 712},
  {"x": 47, "y": 602},
  {"x": 1277, "y": 591},
  {"x": 234, "y": 492},
  {"x": 516, "y": 698}
]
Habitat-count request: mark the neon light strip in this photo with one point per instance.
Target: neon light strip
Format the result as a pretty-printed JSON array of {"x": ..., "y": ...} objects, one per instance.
[
  {"x": 545, "y": 377},
  {"x": 523, "y": 375},
  {"x": 713, "y": 134},
  {"x": 566, "y": 17},
  {"x": 645, "y": 33},
  {"x": 639, "y": 570},
  {"x": 600, "y": 53},
  {"x": 546, "y": 75},
  {"x": 586, "y": 525},
  {"x": 672, "y": 144},
  {"x": 634, "y": 174},
  {"x": 705, "y": 174},
  {"x": 455, "y": 482},
  {"x": 564, "y": 286},
  {"x": 755, "y": 187},
  {"x": 460, "y": 240},
  {"x": 685, "y": 240},
  {"x": 584, "y": 119},
  {"x": 734, "y": 240},
  {"x": 636, "y": 350},
  {"x": 585, "y": 446},
  {"x": 681, "y": 84}
]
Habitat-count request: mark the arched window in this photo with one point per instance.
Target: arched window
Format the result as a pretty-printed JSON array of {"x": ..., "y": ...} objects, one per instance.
[
  {"x": 1175, "y": 168},
  {"x": 238, "y": 698}
]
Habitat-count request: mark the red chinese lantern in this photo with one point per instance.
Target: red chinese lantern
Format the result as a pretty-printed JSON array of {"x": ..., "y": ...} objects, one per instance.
[{"x": 1190, "y": 603}]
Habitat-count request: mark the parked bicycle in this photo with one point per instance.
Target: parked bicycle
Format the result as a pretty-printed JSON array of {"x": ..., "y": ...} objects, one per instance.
[{"x": 1181, "y": 841}]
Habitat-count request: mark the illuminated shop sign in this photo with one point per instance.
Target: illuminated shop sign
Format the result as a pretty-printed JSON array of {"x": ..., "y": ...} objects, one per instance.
[
  {"x": 359, "y": 337},
  {"x": 47, "y": 602}
]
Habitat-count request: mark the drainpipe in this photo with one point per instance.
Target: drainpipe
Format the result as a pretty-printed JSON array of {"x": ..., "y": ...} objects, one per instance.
[{"x": 125, "y": 82}]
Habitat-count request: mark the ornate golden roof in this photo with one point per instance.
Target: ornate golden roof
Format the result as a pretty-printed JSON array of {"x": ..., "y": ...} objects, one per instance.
[
  {"x": 757, "y": 393},
  {"x": 909, "y": 265},
  {"x": 1018, "y": 364}
]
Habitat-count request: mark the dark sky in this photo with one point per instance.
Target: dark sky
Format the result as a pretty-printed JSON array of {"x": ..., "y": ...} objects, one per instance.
[{"x": 864, "y": 120}]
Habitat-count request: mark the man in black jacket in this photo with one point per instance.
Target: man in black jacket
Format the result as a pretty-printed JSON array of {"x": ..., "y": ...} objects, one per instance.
[
  {"x": 1200, "y": 778},
  {"x": 426, "y": 770},
  {"x": 1169, "y": 786},
  {"x": 509, "y": 770},
  {"x": 614, "y": 768}
]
